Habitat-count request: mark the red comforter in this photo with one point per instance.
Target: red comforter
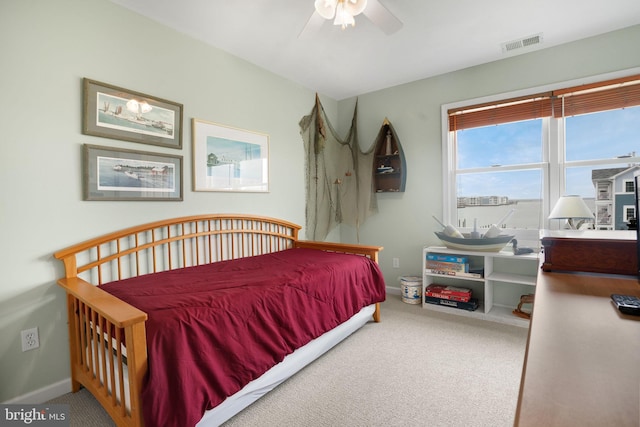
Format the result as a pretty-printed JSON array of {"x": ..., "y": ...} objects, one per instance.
[{"x": 214, "y": 328}]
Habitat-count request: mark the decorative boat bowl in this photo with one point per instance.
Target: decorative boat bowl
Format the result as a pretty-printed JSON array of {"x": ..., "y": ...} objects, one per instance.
[{"x": 494, "y": 244}]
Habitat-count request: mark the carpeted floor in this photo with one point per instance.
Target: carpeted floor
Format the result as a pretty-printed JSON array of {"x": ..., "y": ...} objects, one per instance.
[{"x": 415, "y": 368}]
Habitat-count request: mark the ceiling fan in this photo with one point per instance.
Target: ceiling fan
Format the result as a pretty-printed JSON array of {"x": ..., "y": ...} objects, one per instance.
[{"x": 343, "y": 12}]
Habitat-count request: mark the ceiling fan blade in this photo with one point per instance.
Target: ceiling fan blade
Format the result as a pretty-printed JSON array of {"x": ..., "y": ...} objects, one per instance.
[
  {"x": 380, "y": 15},
  {"x": 312, "y": 26}
]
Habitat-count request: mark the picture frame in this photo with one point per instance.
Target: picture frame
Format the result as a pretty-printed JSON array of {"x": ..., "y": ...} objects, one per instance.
[
  {"x": 118, "y": 174},
  {"x": 229, "y": 159},
  {"x": 113, "y": 112}
]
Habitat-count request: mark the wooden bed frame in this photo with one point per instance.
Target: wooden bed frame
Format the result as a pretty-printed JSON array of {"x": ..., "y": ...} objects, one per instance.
[{"x": 101, "y": 324}]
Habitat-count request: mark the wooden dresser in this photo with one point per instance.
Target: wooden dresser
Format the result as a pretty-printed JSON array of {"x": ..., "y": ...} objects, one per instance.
[
  {"x": 612, "y": 252},
  {"x": 582, "y": 363}
]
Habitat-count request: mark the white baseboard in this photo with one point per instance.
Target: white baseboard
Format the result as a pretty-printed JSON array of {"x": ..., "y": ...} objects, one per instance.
[{"x": 44, "y": 394}]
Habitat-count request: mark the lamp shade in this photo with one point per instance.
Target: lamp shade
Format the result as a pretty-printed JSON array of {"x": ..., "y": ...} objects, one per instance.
[
  {"x": 343, "y": 17},
  {"x": 326, "y": 8},
  {"x": 342, "y": 10},
  {"x": 569, "y": 207},
  {"x": 355, "y": 7}
]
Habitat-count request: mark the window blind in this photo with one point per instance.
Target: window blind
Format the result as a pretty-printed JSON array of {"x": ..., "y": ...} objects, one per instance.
[
  {"x": 608, "y": 95},
  {"x": 591, "y": 98}
]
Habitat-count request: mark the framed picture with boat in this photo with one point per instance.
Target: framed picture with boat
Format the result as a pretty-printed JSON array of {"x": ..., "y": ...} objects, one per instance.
[
  {"x": 113, "y": 112},
  {"x": 120, "y": 174},
  {"x": 229, "y": 159}
]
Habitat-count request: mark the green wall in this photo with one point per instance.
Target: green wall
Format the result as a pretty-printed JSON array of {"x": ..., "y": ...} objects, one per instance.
[
  {"x": 404, "y": 223},
  {"x": 48, "y": 47}
]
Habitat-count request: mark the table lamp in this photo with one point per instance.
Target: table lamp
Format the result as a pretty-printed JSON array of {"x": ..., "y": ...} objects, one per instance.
[{"x": 570, "y": 208}]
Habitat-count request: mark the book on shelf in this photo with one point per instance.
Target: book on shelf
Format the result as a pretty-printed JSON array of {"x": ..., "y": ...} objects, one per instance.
[
  {"x": 471, "y": 305},
  {"x": 453, "y": 293},
  {"x": 452, "y": 297},
  {"x": 449, "y": 290},
  {"x": 453, "y": 273},
  {"x": 447, "y": 258},
  {"x": 447, "y": 266}
]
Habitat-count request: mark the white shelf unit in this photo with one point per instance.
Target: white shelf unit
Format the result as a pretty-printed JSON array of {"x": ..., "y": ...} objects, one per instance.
[{"x": 506, "y": 277}]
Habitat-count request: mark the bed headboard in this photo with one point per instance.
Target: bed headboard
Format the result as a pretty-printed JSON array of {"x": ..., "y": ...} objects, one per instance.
[{"x": 175, "y": 243}]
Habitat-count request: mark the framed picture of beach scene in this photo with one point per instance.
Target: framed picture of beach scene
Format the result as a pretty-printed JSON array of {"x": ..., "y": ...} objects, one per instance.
[
  {"x": 229, "y": 159},
  {"x": 119, "y": 174},
  {"x": 113, "y": 112}
]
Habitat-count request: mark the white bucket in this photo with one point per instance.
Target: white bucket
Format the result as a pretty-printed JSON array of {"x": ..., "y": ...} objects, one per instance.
[{"x": 411, "y": 289}]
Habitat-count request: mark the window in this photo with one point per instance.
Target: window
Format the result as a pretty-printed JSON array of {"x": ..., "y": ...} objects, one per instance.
[
  {"x": 629, "y": 212},
  {"x": 628, "y": 186},
  {"x": 521, "y": 154},
  {"x": 499, "y": 169}
]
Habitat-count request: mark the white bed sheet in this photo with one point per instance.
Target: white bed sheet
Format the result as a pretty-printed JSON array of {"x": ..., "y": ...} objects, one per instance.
[{"x": 284, "y": 370}]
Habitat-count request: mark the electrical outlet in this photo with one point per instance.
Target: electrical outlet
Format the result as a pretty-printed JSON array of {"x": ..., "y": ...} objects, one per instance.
[
  {"x": 30, "y": 339},
  {"x": 396, "y": 263}
]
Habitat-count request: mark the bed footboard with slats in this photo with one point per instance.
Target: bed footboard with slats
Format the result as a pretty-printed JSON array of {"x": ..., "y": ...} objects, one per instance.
[{"x": 107, "y": 336}]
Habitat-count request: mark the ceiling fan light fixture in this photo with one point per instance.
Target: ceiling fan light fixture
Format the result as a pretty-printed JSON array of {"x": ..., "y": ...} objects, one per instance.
[
  {"x": 326, "y": 8},
  {"x": 354, "y": 7},
  {"x": 343, "y": 17},
  {"x": 342, "y": 10}
]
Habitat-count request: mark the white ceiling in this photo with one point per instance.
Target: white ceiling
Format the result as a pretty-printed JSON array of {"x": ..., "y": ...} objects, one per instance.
[{"x": 437, "y": 36}]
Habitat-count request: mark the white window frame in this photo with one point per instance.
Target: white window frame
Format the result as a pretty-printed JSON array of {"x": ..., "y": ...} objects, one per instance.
[
  {"x": 625, "y": 182},
  {"x": 625, "y": 209},
  {"x": 553, "y": 156}
]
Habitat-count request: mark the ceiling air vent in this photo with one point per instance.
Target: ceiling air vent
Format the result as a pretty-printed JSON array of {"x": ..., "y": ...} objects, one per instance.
[{"x": 522, "y": 43}]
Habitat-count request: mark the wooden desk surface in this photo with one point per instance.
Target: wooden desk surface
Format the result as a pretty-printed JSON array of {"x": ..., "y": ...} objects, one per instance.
[{"x": 582, "y": 366}]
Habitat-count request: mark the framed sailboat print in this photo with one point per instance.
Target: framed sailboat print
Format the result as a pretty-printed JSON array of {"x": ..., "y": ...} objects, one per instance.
[
  {"x": 127, "y": 175},
  {"x": 113, "y": 112}
]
